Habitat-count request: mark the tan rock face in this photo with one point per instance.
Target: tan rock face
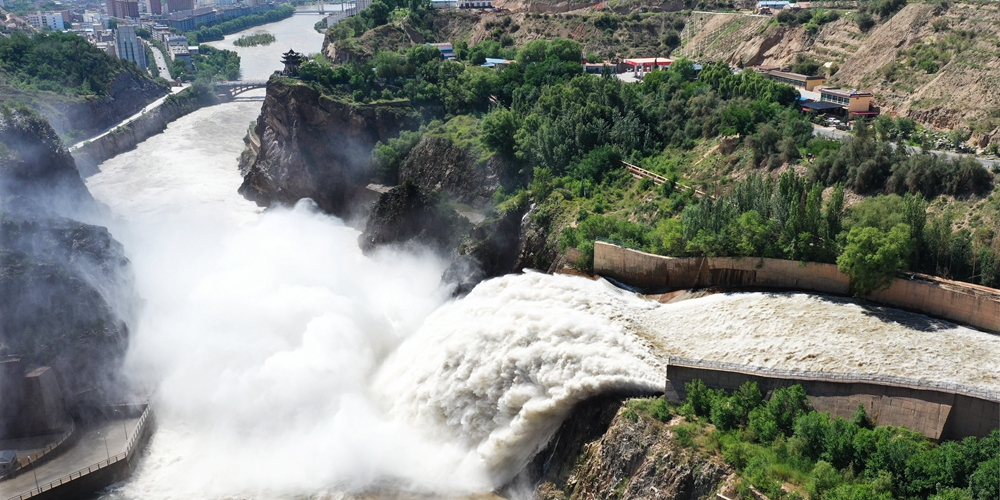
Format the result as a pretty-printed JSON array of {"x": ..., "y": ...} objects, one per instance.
[
  {"x": 605, "y": 451},
  {"x": 961, "y": 92}
]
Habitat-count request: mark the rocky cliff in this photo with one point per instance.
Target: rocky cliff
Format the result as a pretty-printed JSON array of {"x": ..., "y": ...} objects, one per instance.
[
  {"x": 124, "y": 138},
  {"x": 407, "y": 215},
  {"x": 79, "y": 118},
  {"x": 309, "y": 145},
  {"x": 315, "y": 146},
  {"x": 65, "y": 286},
  {"x": 438, "y": 164},
  {"x": 607, "y": 450}
]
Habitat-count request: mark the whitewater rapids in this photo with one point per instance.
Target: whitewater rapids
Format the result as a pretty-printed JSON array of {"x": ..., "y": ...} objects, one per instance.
[{"x": 284, "y": 363}]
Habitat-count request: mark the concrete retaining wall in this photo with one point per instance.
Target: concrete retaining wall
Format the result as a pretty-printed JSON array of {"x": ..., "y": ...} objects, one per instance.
[
  {"x": 960, "y": 302},
  {"x": 938, "y": 414},
  {"x": 82, "y": 484},
  {"x": 127, "y": 137}
]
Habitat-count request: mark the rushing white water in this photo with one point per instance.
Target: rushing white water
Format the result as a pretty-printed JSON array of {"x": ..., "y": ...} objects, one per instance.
[
  {"x": 272, "y": 345},
  {"x": 284, "y": 363}
]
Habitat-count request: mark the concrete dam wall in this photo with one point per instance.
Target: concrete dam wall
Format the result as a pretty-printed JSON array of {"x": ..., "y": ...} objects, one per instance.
[
  {"x": 963, "y": 303},
  {"x": 938, "y": 410}
]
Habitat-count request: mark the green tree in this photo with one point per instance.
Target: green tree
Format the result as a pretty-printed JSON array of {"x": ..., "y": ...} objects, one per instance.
[
  {"x": 872, "y": 257},
  {"x": 499, "y": 130},
  {"x": 533, "y": 51}
]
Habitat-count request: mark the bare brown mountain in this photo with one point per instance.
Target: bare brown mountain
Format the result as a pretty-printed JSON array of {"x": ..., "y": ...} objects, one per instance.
[{"x": 937, "y": 64}]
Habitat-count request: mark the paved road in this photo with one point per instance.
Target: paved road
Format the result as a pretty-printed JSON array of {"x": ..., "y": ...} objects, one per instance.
[
  {"x": 161, "y": 62},
  {"x": 88, "y": 451},
  {"x": 834, "y": 133},
  {"x": 152, "y": 105}
]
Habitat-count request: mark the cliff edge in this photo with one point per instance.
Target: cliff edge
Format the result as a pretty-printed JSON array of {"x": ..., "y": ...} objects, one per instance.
[
  {"x": 66, "y": 287},
  {"x": 315, "y": 146}
]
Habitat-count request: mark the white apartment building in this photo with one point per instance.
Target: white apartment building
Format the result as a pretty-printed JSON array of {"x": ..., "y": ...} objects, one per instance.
[{"x": 47, "y": 20}]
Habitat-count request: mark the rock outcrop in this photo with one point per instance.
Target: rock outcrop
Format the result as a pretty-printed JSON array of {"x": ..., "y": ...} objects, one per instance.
[
  {"x": 66, "y": 292},
  {"x": 605, "y": 450},
  {"x": 85, "y": 117},
  {"x": 314, "y": 146},
  {"x": 406, "y": 215},
  {"x": 437, "y": 164}
]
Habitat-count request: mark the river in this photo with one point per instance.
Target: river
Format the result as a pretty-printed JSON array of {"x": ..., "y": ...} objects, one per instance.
[{"x": 283, "y": 363}]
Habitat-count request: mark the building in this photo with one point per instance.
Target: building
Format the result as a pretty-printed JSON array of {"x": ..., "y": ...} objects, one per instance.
[
  {"x": 179, "y": 5},
  {"x": 796, "y": 80},
  {"x": 497, "y": 63},
  {"x": 855, "y": 103},
  {"x": 444, "y": 4},
  {"x": 644, "y": 64},
  {"x": 359, "y": 5},
  {"x": 475, "y": 4},
  {"x": 47, "y": 21},
  {"x": 190, "y": 19},
  {"x": 128, "y": 46},
  {"x": 447, "y": 49},
  {"x": 771, "y": 6},
  {"x": 177, "y": 47},
  {"x": 33, "y": 402},
  {"x": 154, "y": 6},
  {"x": 599, "y": 68},
  {"x": 123, "y": 9}
]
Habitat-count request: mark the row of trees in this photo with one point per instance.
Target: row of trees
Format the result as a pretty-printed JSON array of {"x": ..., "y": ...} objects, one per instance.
[
  {"x": 768, "y": 440},
  {"x": 219, "y": 31}
]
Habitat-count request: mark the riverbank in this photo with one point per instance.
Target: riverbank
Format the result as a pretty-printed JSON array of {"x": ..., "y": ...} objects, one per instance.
[{"x": 152, "y": 121}]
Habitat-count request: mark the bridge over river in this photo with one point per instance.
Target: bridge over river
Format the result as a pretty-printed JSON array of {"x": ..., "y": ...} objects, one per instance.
[{"x": 238, "y": 87}]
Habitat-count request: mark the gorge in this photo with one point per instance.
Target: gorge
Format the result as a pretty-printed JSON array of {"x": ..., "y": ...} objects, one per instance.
[{"x": 285, "y": 362}]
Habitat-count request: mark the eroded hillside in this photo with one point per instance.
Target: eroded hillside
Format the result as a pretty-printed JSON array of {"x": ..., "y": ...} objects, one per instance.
[{"x": 936, "y": 63}]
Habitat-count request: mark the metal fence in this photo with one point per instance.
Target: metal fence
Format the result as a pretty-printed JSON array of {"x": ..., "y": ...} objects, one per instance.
[
  {"x": 871, "y": 378},
  {"x": 34, "y": 457},
  {"x": 131, "y": 443}
]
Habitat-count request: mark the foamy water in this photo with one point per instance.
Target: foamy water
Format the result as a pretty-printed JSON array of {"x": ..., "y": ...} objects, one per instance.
[{"x": 286, "y": 364}]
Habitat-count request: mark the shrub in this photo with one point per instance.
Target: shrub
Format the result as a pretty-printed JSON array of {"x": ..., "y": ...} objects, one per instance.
[
  {"x": 812, "y": 429},
  {"x": 655, "y": 408},
  {"x": 699, "y": 396},
  {"x": 864, "y": 21}
]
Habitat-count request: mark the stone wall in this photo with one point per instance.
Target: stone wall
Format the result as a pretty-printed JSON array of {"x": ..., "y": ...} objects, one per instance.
[
  {"x": 127, "y": 137},
  {"x": 938, "y": 413},
  {"x": 963, "y": 303}
]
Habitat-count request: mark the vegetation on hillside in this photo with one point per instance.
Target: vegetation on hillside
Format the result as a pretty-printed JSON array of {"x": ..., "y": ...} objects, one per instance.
[
  {"x": 785, "y": 450},
  {"x": 59, "y": 62},
  {"x": 569, "y": 133},
  {"x": 210, "y": 64}
]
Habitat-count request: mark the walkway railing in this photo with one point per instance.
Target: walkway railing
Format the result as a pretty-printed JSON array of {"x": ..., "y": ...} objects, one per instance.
[
  {"x": 131, "y": 443},
  {"x": 34, "y": 457},
  {"x": 641, "y": 173},
  {"x": 869, "y": 378}
]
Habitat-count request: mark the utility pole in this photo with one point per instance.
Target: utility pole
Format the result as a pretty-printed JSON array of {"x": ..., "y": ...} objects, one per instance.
[
  {"x": 106, "y": 450},
  {"x": 33, "y": 473},
  {"x": 124, "y": 427}
]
